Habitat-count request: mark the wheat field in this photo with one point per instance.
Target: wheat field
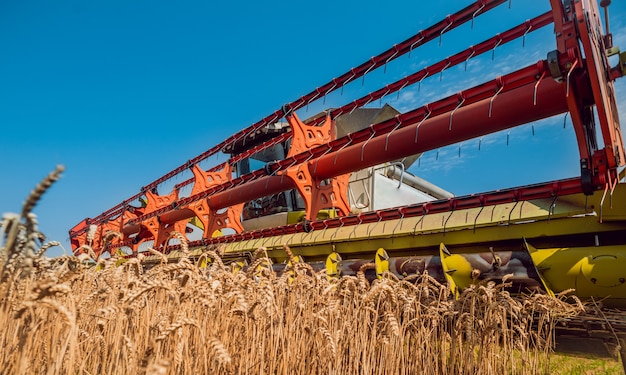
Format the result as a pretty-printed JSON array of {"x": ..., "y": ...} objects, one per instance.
[{"x": 83, "y": 315}]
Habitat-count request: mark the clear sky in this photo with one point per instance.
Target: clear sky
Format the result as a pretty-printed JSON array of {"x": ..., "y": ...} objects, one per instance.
[{"x": 122, "y": 92}]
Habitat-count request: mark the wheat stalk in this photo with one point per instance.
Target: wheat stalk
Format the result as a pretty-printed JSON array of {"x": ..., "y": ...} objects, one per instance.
[{"x": 40, "y": 189}]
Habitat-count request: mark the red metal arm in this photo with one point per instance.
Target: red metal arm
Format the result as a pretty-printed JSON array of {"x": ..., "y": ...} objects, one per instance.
[{"x": 581, "y": 63}]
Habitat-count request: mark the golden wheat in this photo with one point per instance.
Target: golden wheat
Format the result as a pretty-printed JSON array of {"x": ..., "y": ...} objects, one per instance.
[{"x": 105, "y": 316}]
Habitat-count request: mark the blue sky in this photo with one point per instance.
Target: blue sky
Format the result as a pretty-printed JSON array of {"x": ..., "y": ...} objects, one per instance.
[{"x": 121, "y": 92}]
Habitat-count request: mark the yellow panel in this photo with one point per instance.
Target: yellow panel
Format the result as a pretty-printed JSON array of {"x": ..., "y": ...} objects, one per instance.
[
  {"x": 382, "y": 262},
  {"x": 332, "y": 265},
  {"x": 597, "y": 271},
  {"x": 457, "y": 270}
]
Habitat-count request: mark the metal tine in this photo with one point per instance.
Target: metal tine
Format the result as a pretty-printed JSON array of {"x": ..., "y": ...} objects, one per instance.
[
  {"x": 457, "y": 107},
  {"x": 329, "y": 90},
  {"x": 355, "y": 226},
  {"x": 401, "y": 87},
  {"x": 393, "y": 232},
  {"x": 366, "y": 142},
  {"x": 446, "y": 223},
  {"x": 304, "y": 234},
  {"x": 349, "y": 135},
  {"x": 395, "y": 47},
  {"x": 355, "y": 108},
  {"x": 369, "y": 100},
  {"x": 501, "y": 84},
  {"x": 309, "y": 233},
  {"x": 282, "y": 176},
  {"x": 493, "y": 50},
  {"x": 369, "y": 234},
  {"x": 336, "y": 230},
  {"x": 393, "y": 130},
  {"x": 240, "y": 243},
  {"x": 277, "y": 238},
  {"x": 317, "y": 94},
  {"x": 245, "y": 137},
  {"x": 348, "y": 80},
  {"x": 367, "y": 71},
  {"x": 419, "y": 84},
  {"x": 613, "y": 185},
  {"x": 606, "y": 188},
  {"x": 231, "y": 185},
  {"x": 568, "y": 75},
  {"x": 293, "y": 235},
  {"x": 511, "y": 212},
  {"x": 469, "y": 57},
  {"x": 421, "y": 220},
  {"x": 418, "y": 41},
  {"x": 476, "y": 13},
  {"x": 380, "y": 101},
  {"x": 286, "y": 108},
  {"x": 508, "y": 135},
  {"x": 417, "y": 128},
  {"x": 267, "y": 183},
  {"x": 553, "y": 204},
  {"x": 444, "y": 68},
  {"x": 307, "y": 159},
  {"x": 323, "y": 231},
  {"x": 449, "y": 18},
  {"x": 526, "y": 32},
  {"x": 476, "y": 218},
  {"x": 318, "y": 159},
  {"x": 610, "y": 184},
  {"x": 521, "y": 207},
  {"x": 565, "y": 120},
  {"x": 254, "y": 242},
  {"x": 537, "y": 85}
]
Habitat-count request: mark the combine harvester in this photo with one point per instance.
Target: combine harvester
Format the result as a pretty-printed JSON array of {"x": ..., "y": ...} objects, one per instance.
[{"x": 335, "y": 188}]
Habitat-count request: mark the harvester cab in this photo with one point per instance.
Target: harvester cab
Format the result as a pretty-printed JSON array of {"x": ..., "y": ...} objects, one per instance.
[{"x": 378, "y": 187}]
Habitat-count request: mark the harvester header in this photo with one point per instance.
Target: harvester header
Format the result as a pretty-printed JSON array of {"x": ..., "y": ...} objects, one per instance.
[{"x": 336, "y": 187}]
